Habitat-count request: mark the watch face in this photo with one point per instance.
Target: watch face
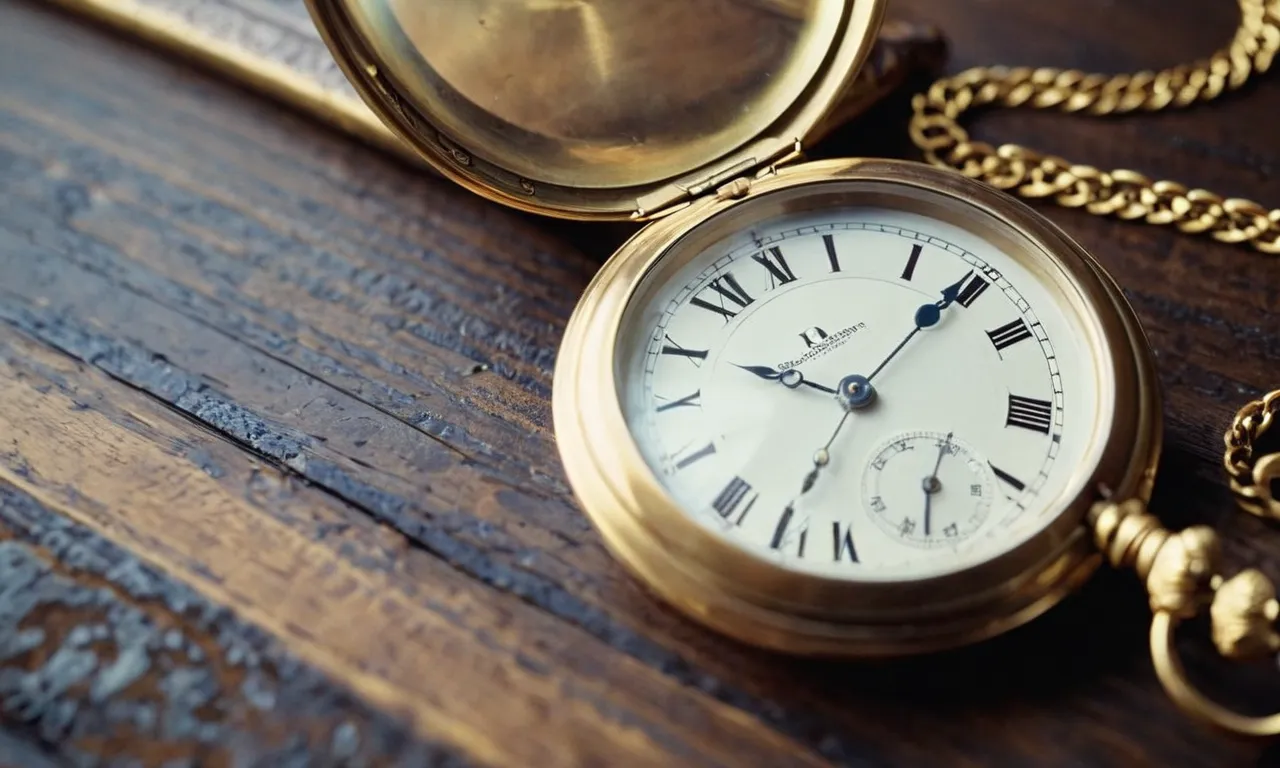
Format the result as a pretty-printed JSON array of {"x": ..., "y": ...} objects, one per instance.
[{"x": 863, "y": 393}]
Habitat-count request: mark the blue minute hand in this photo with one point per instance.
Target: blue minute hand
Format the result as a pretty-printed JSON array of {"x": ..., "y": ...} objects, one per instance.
[{"x": 927, "y": 316}]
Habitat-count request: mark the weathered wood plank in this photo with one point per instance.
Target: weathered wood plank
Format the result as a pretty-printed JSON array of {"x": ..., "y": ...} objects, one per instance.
[
  {"x": 399, "y": 479},
  {"x": 102, "y": 657},
  {"x": 347, "y": 595},
  {"x": 231, "y": 282}
]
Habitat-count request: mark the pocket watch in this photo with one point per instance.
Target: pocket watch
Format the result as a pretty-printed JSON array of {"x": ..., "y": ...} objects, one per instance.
[{"x": 846, "y": 407}]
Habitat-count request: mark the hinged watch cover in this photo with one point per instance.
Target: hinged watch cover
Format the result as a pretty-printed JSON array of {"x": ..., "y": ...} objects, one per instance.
[{"x": 584, "y": 108}]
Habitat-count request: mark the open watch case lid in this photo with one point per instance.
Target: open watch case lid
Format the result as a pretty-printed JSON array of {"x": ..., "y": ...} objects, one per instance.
[{"x": 601, "y": 109}]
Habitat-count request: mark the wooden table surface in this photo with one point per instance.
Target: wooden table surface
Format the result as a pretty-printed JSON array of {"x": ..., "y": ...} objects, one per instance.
[{"x": 278, "y": 484}]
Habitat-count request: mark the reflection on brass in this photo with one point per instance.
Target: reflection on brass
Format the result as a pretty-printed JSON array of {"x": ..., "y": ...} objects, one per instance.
[
  {"x": 274, "y": 47},
  {"x": 600, "y": 93},
  {"x": 651, "y": 143},
  {"x": 269, "y": 45},
  {"x": 754, "y": 598}
]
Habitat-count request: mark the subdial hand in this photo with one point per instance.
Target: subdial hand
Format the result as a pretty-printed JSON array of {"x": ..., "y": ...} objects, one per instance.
[
  {"x": 790, "y": 378},
  {"x": 931, "y": 484},
  {"x": 927, "y": 316}
]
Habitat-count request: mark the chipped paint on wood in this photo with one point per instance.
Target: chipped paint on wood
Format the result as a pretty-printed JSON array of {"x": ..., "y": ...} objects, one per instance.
[
  {"x": 483, "y": 551},
  {"x": 339, "y": 300},
  {"x": 476, "y": 667},
  {"x": 104, "y": 660}
]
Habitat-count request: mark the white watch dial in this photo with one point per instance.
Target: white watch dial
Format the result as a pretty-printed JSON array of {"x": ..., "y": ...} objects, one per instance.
[{"x": 861, "y": 393}]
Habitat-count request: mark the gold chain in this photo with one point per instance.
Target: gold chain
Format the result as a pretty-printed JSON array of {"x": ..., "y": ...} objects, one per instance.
[
  {"x": 1123, "y": 193},
  {"x": 1181, "y": 570},
  {"x": 1251, "y": 481}
]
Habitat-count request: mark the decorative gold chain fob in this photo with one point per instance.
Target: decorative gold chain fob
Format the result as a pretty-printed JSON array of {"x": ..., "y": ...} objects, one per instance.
[
  {"x": 1181, "y": 571},
  {"x": 1123, "y": 193},
  {"x": 850, "y": 407}
]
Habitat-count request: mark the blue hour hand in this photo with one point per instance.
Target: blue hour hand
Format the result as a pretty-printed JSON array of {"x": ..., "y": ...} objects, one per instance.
[{"x": 928, "y": 315}]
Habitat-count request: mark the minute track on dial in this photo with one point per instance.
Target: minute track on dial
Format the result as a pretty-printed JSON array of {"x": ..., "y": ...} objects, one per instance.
[
  {"x": 800, "y": 307},
  {"x": 906, "y": 591}
]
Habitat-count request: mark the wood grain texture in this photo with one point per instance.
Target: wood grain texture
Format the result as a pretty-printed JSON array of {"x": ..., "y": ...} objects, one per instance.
[{"x": 303, "y": 388}]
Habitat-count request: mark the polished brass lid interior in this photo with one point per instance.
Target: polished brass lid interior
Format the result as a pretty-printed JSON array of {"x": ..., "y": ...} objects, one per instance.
[{"x": 595, "y": 94}]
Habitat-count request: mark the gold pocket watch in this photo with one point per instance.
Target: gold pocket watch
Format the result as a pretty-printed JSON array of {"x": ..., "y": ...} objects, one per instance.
[{"x": 850, "y": 407}]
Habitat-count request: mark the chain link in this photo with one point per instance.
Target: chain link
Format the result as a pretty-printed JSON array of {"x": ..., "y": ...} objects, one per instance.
[
  {"x": 1181, "y": 570},
  {"x": 1126, "y": 194},
  {"x": 1251, "y": 477},
  {"x": 1250, "y": 422}
]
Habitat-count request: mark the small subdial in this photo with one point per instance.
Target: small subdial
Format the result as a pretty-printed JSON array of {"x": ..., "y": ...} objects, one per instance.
[{"x": 927, "y": 489}]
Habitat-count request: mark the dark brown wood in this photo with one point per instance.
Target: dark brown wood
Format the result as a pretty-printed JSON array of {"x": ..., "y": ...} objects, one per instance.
[{"x": 275, "y": 446}]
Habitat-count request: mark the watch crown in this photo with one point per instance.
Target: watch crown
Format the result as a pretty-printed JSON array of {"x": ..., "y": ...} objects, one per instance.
[{"x": 733, "y": 190}]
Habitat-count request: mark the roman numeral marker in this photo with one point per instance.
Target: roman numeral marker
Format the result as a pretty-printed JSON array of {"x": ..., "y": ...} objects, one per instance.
[
  {"x": 779, "y": 271},
  {"x": 1009, "y": 334},
  {"x": 688, "y": 400},
  {"x": 1029, "y": 413},
  {"x": 971, "y": 290},
  {"x": 830, "y": 242},
  {"x": 1017, "y": 484},
  {"x": 701, "y": 453},
  {"x": 843, "y": 544},
  {"x": 732, "y": 496},
  {"x": 728, "y": 288},
  {"x": 695, "y": 356},
  {"x": 910, "y": 269},
  {"x": 780, "y": 532}
]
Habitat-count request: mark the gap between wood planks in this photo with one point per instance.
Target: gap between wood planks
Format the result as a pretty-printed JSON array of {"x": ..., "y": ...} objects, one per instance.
[{"x": 393, "y": 636}]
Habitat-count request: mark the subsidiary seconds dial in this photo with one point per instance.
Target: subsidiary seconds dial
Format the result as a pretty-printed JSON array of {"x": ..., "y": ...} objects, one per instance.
[
  {"x": 800, "y": 386},
  {"x": 927, "y": 489}
]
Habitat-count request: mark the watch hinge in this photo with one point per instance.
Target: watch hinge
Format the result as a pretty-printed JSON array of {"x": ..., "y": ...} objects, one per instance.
[
  {"x": 793, "y": 153},
  {"x": 677, "y": 195}
]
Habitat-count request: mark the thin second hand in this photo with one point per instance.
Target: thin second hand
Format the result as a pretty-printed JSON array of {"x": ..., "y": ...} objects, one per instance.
[{"x": 823, "y": 456}]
